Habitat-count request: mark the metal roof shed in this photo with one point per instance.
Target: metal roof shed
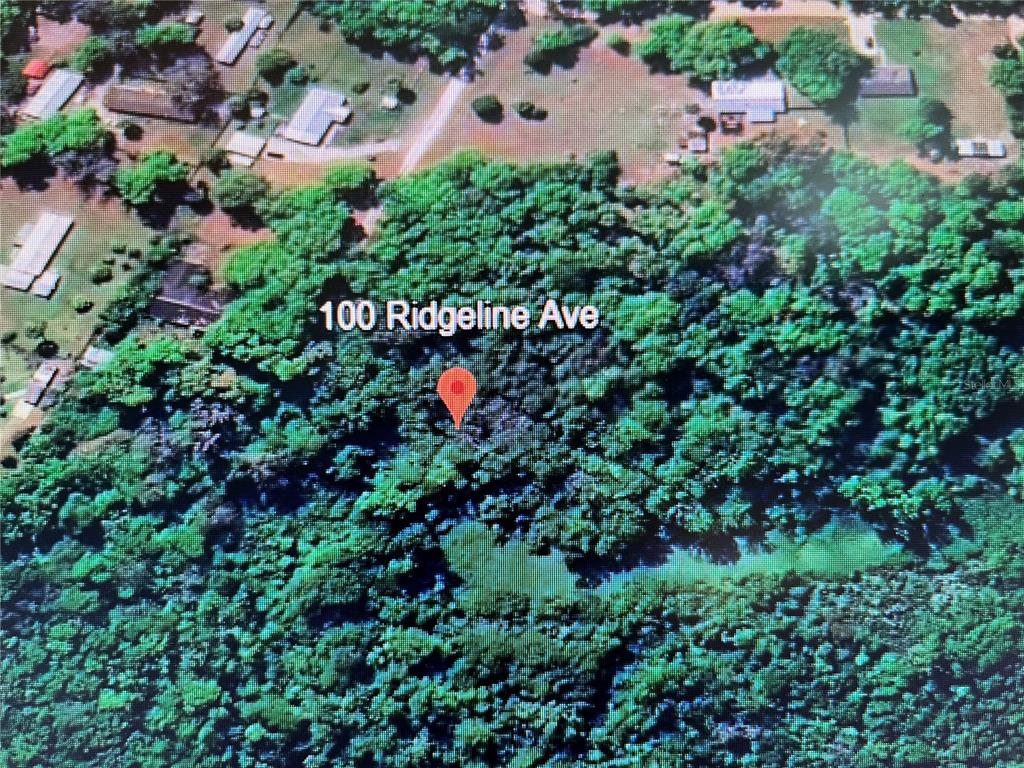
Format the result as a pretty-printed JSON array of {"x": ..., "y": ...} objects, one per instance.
[
  {"x": 761, "y": 100},
  {"x": 888, "y": 81},
  {"x": 247, "y": 144},
  {"x": 36, "y": 250},
  {"x": 39, "y": 247},
  {"x": 54, "y": 94},
  {"x": 319, "y": 109},
  {"x": 237, "y": 41}
]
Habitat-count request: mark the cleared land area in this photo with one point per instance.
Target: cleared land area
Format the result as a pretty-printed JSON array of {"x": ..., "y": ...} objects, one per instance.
[
  {"x": 950, "y": 64},
  {"x": 98, "y": 223},
  {"x": 606, "y": 101},
  {"x": 339, "y": 65}
]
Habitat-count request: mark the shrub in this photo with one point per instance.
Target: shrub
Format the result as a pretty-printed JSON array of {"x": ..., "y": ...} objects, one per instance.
[
  {"x": 488, "y": 108},
  {"x": 238, "y": 107},
  {"x": 233, "y": 23},
  {"x": 297, "y": 75},
  {"x": 214, "y": 158},
  {"x": 272, "y": 65},
  {"x": 530, "y": 111},
  {"x": 132, "y": 131},
  {"x": 101, "y": 273},
  {"x": 617, "y": 43}
]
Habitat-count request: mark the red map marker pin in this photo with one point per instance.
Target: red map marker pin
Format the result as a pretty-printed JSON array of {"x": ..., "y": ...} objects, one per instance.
[{"x": 456, "y": 388}]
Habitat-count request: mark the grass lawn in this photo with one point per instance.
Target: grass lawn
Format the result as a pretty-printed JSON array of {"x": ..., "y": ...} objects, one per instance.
[
  {"x": 97, "y": 224},
  {"x": 950, "y": 64},
  {"x": 339, "y": 65}
]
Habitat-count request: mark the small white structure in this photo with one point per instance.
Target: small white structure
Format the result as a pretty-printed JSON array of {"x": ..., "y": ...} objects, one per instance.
[
  {"x": 36, "y": 249},
  {"x": 990, "y": 149},
  {"x": 22, "y": 410},
  {"x": 244, "y": 148},
  {"x": 320, "y": 109},
  {"x": 46, "y": 284},
  {"x": 94, "y": 357},
  {"x": 41, "y": 380},
  {"x": 760, "y": 100},
  {"x": 54, "y": 93},
  {"x": 389, "y": 102},
  {"x": 252, "y": 20}
]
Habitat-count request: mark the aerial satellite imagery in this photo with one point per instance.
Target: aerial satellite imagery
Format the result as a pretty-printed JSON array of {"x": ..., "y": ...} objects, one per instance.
[{"x": 511, "y": 384}]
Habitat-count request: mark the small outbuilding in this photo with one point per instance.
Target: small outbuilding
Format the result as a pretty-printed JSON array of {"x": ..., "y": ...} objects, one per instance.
[
  {"x": 319, "y": 110},
  {"x": 888, "y": 81},
  {"x": 55, "y": 92},
  {"x": 244, "y": 148},
  {"x": 40, "y": 381},
  {"x": 236, "y": 42},
  {"x": 147, "y": 102},
  {"x": 46, "y": 284},
  {"x": 182, "y": 302},
  {"x": 95, "y": 357},
  {"x": 760, "y": 101},
  {"x": 37, "y": 247}
]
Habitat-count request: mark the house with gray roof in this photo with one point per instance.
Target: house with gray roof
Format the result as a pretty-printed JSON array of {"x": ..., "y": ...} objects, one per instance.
[{"x": 319, "y": 110}]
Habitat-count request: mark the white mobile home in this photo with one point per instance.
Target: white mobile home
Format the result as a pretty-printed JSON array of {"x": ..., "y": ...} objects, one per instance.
[{"x": 760, "y": 100}]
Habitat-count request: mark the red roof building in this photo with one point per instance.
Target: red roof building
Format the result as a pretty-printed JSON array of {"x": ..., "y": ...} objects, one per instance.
[{"x": 36, "y": 69}]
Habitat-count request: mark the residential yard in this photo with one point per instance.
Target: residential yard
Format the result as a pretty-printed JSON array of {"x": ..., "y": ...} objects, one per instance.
[
  {"x": 240, "y": 75},
  {"x": 187, "y": 141},
  {"x": 336, "y": 64},
  {"x": 950, "y": 64},
  {"x": 98, "y": 223},
  {"x": 607, "y": 101}
]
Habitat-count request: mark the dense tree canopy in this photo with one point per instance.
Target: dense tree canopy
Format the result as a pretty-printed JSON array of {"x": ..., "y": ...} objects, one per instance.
[
  {"x": 237, "y": 189},
  {"x": 820, "y": 65},
  {"x": 94, "y": 55},
  {"x": 448, "y": 31},
  {"x": 79, "y": 131},
  {"x": 708, "y": 50},
  {"x": 268, "y": 546},
  {"x": 141, "y": 182}
]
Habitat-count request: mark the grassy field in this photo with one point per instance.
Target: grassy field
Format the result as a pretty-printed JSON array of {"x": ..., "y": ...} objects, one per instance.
[
  {"x": 490, "y": 568},
  {"x": 97, "y": 224},
  {"x": 950, "y": 64}
]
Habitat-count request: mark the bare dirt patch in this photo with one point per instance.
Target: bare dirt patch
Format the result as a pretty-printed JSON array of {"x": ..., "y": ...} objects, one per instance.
[
  {"x": 221, "y": 235},
  {"x": 607, "y": 101},
  {"x": 57, "y": 40}
]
